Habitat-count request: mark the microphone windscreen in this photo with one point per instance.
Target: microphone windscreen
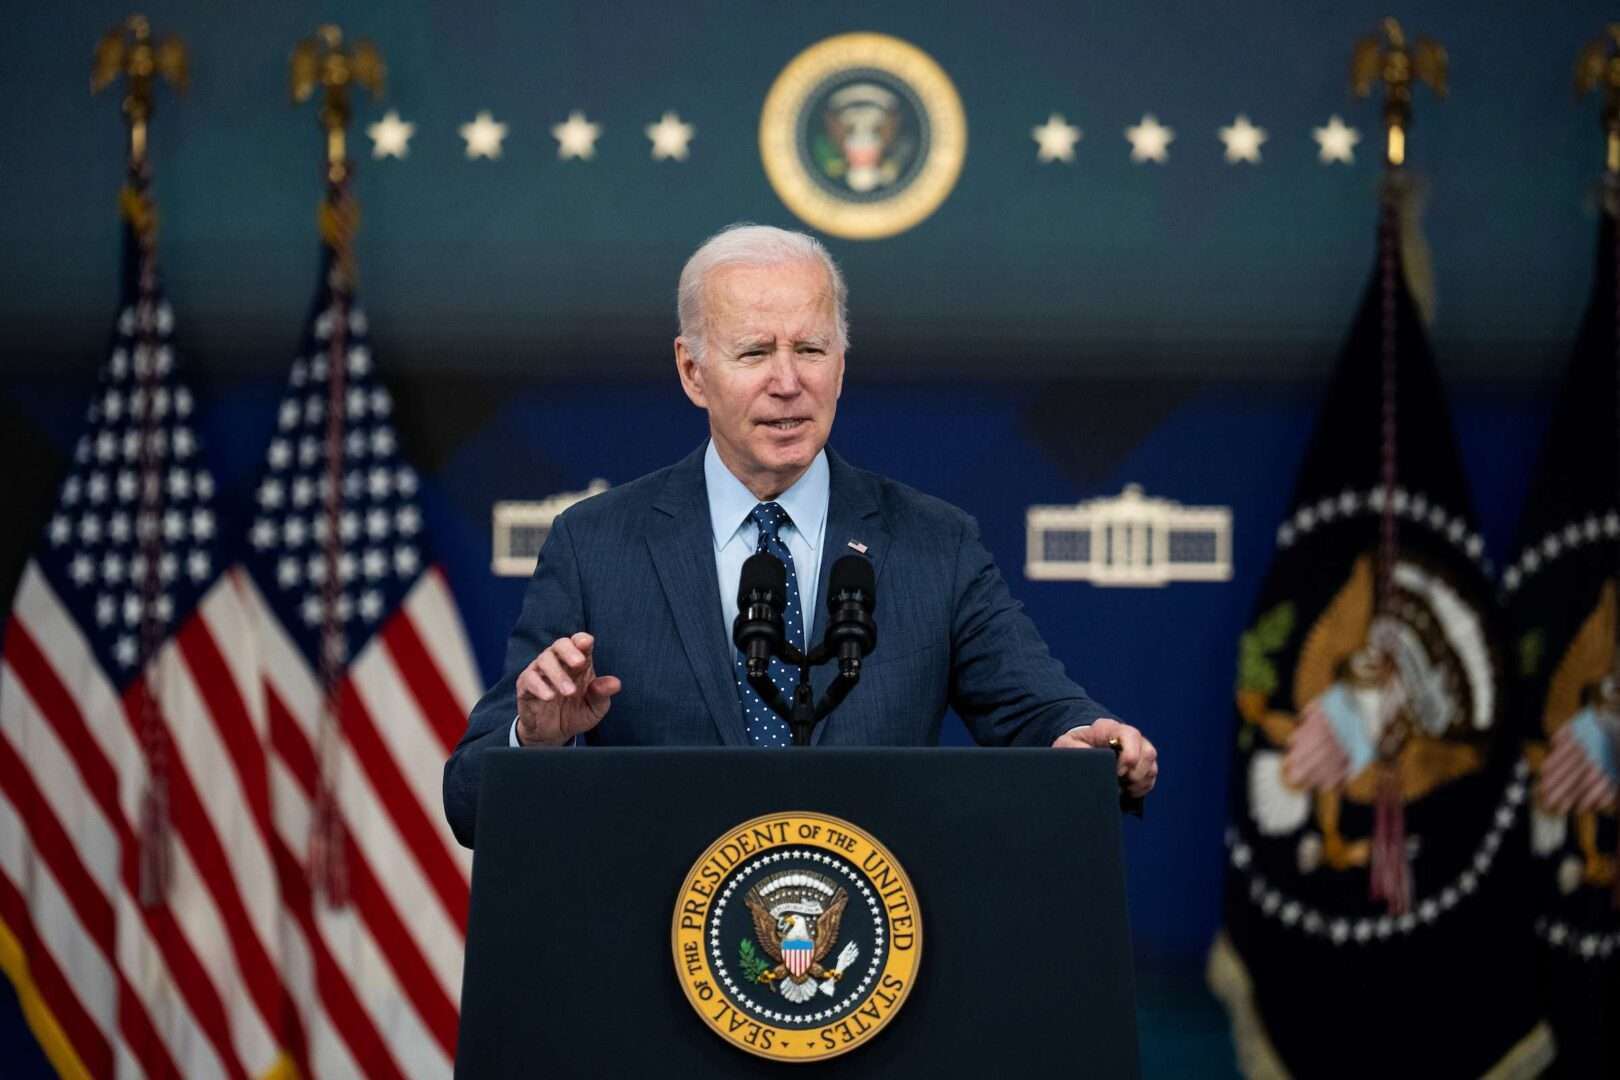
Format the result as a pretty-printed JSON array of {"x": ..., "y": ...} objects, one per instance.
[
  {"x": 849, "y": 574},
  {"x": 762, "y": 572}
]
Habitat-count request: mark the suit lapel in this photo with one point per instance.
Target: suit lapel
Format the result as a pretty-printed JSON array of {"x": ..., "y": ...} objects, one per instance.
[
  {"x": 681, "y": 543},
  {"x": 853, "y": 515}
]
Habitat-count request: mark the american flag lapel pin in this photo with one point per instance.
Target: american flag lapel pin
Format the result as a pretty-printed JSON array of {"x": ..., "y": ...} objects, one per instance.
[{"x": 858, "y": 546}]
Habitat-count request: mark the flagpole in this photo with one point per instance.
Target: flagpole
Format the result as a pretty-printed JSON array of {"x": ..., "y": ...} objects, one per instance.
[
  {"x": 322, "y": 61},
  {"x": 127, "y": 51},
  {"x": 1391, "y": 63},
  {"x": 1597, "y": 68}
]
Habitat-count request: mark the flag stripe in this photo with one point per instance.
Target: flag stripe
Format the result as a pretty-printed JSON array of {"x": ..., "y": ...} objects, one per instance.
[
  {"x": 61, "y": 709},
  {"x": 431, "y": 604},
  {"x": 36, "y": 661},
  {"x": 416, "y": 978},
  {"x": 408, "y": 816},
  {"x": 327, "y": 1053},
  {"x": 427, "y": 685},
  {"x": 336, "y": 993},
  {"x": 96, "y": 786},
  {"x": 413, "y": 746},
  {"x": 54, "y": 848},
  {"x": 224, "y": 703},
  {"x": 218, "y": 914},
  {"x": 344, "y": 934},
  {"x": 293, "y": 704},
  {"x": 373, "y": 829},
  {"x": 60, "y": 900},
  {"x": 140, "y": 1039},
  {"x": 85, "y": 1039},
  {"x": 91, "y": 843},
  {"x": 169, "y": 978},
  {"x": 25, "y": 658}
]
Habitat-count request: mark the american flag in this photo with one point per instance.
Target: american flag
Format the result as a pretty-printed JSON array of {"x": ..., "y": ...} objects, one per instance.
[
  {"x": 138, "y": 891},
  {"x": 367, "y": 681},
  {"x": 171, "y": 742}
]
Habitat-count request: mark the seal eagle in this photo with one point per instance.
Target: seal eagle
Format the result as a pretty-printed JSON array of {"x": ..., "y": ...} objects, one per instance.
[{"x": 796, "y": 916}]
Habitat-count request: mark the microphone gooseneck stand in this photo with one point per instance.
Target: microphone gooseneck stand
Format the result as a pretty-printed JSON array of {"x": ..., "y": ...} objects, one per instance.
[{"x": 759, "y": 634}]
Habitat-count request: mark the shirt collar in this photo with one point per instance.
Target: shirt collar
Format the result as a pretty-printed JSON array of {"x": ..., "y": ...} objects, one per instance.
[{"x": 730, "y": 502}]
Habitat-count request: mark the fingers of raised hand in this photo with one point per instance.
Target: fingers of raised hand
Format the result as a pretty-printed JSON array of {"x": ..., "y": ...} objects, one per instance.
[
  {"x": 531, "y": 686},
  {"x": 567, "y": 666}
]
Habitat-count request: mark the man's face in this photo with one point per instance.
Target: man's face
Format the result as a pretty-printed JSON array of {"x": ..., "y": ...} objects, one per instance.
[{"x": 771, "y": 371}]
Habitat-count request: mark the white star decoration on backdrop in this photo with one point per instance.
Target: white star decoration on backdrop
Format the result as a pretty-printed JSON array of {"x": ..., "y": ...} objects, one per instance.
[
  {"x": 483, "y": 137},
  {"x": 669, "y": 137},
  {"x": 1056, "y": 138},
  {"x": 1243, "y": 141},
  {"x": 1150, "y": 140},
  {"x": 390, "y": 135},
  {"x": 576, "y": 137},
  {"x": 1337, "y": 141}
]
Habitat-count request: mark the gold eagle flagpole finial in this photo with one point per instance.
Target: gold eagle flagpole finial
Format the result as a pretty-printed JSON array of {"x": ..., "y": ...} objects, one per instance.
[
  {"x": 128, "y": 50},
  {"x": 1389, "y": 60},
  {"x": 322, "y": 61},
  {"x": 1598, "y": 68}
]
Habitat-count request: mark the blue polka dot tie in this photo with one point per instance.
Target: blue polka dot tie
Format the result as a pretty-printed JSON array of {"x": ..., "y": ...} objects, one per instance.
[{"x": 765, "y": 727}]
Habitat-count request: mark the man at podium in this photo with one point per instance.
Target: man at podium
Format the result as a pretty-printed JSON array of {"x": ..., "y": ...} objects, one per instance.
[{"x": 624, "y": 637}]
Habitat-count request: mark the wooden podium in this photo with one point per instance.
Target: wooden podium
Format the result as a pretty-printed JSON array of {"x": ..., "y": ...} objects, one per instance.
[{"x": 1014, "y": 857}]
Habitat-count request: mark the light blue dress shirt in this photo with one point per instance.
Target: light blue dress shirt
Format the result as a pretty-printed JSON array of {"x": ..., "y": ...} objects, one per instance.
[{"x": 736, "y": 537}]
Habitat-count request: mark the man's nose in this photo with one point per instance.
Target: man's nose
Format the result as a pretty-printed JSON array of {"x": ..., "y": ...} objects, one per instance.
[{"x": 784, "y": 373}]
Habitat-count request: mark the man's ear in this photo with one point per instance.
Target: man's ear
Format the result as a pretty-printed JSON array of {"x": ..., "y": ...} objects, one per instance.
[{"x": 691, "y": 373}]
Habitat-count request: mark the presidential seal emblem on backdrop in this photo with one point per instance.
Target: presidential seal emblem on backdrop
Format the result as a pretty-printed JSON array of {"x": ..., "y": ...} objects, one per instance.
[
  {"x": 797, "y": 936},
  {"x": 862, "y": 135}
]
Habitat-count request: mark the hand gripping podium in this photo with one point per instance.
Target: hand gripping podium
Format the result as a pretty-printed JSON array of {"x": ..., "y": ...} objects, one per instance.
[{"x": 1020, "y": 964}]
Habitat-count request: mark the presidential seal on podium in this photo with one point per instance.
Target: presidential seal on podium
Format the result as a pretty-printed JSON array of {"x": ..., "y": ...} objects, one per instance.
[
  {"x": 862, "y": 135},
  {"x": 797, "y": 936}
]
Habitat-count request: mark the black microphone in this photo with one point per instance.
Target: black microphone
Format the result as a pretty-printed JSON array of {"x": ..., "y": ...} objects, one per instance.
[
  {"x": 851, "y": 599},
  {"x": 761, "y": 597}
]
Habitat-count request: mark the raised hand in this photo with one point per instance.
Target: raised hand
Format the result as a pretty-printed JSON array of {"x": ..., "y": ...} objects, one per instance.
[{"x": 560, "y": 695}]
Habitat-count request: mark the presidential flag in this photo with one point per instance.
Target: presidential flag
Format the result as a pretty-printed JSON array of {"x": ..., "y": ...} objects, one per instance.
[
  {"x": 1375, "y": 844},
  {"x": 140, "y": 914},
  {"x": 367, "y": 681},
  {"x": 1561, "y": 596}
]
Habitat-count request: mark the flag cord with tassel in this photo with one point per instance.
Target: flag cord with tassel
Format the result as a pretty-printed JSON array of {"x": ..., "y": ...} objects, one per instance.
[
  {"x": 323, "y": 62},
  {"x": 138, "y": 209},
  {"x": 1390, "y": 877},
  {"x": 1611, "y": 205},
  {"x": 328, "y": 849}
]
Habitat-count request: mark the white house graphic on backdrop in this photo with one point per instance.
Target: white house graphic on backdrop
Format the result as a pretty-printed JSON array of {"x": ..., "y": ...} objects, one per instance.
[
  {"x": 1129, "y": 539},
  {"x": 520, "y": 528}
]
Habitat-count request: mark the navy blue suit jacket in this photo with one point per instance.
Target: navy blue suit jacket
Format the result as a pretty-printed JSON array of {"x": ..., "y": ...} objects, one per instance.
[{"x": 635, "y": 567}]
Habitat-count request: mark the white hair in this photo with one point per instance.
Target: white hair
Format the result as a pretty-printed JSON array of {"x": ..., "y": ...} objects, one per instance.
[{"x": 745, "y": 244}]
